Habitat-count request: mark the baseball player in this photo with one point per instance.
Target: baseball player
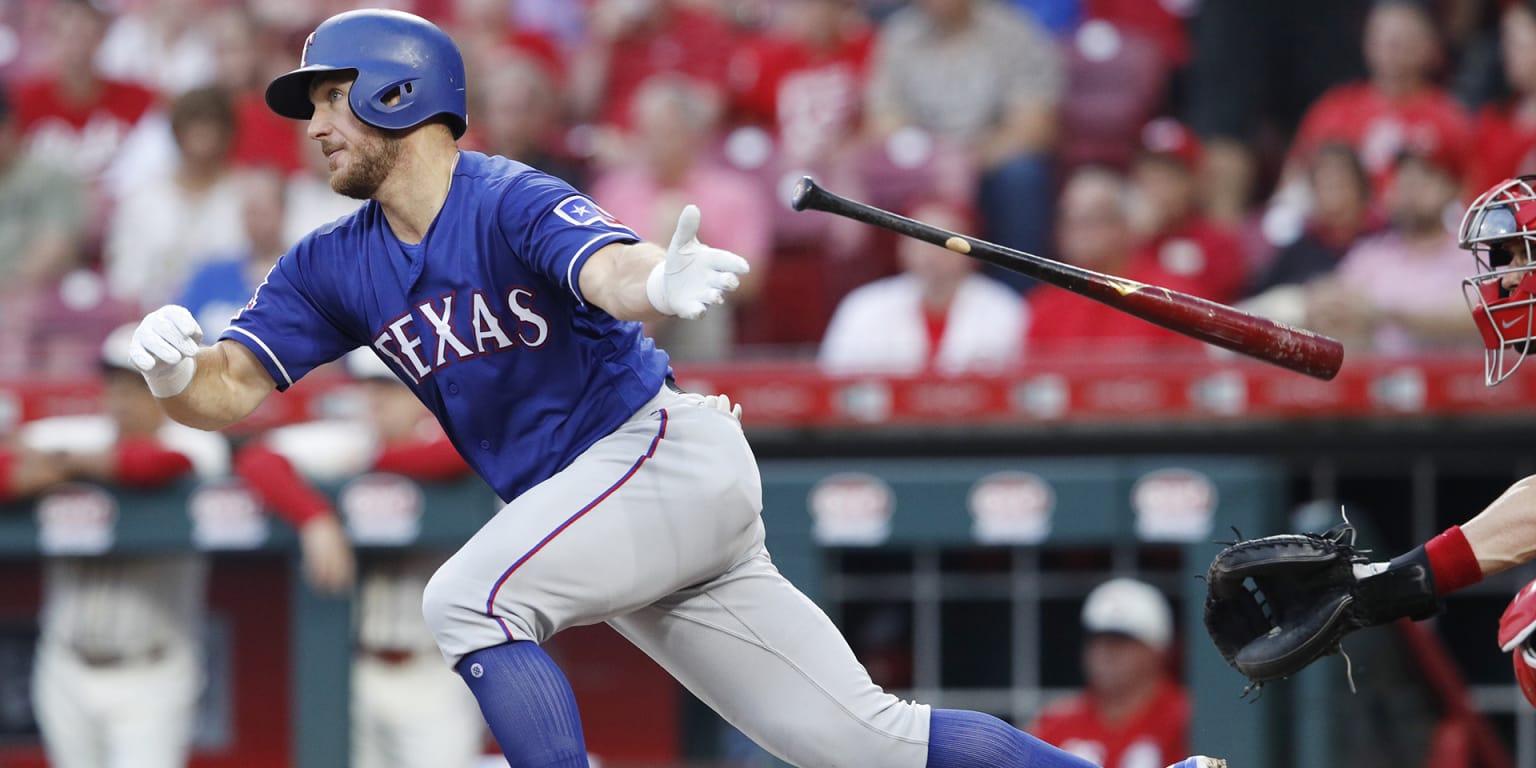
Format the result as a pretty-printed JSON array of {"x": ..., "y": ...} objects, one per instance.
[
  {"x": 407, "y": 710},
  {"x": 1316, "y": 589},
  {"x": 511, "y": 305},
  {"x": 118, "y": 667}
]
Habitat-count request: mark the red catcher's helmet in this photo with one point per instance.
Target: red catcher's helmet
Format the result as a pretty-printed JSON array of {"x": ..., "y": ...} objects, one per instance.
[
  {"x": 1499, "y": 228},
  {"x": 1517, "y": 633}
]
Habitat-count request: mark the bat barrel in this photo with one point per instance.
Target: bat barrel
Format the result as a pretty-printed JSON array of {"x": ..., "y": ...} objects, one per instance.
[{"x": 1296, "y": 349}]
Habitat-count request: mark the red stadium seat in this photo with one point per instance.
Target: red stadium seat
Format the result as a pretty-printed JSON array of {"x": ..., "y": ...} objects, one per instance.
[{"x": 1116, "y": 81}]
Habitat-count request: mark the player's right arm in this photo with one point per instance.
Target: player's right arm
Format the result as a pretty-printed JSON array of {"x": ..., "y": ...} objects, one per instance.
[{"x": 204, "y": 387}]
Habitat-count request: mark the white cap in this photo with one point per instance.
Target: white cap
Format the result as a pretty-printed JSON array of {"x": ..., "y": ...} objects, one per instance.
[
  {"x": 114, "y": 350},
  {"x": 362, "y": 364},
  {"x": 1132, "y": 608}
]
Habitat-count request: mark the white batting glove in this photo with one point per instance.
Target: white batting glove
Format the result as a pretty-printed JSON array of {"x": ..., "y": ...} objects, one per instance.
[
  {"x": 723, "y": 404},
  {"x": 163, "y": 348},
  {"x": 694, "y": 275}
]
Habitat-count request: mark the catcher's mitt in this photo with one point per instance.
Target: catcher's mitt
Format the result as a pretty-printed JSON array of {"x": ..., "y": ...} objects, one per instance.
[{"x": 1276, "y": 604}]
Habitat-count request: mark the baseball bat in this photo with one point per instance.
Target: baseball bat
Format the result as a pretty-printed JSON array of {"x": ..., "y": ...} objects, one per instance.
[{"x": 1296, "y": 349}]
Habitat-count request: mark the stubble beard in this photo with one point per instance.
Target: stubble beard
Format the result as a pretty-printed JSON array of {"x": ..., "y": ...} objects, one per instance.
[{"x": 372, "y": 164}]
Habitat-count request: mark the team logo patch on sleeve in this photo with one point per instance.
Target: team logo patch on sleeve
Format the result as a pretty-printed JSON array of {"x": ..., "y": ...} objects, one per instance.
[{"x": 582, "y": 212}]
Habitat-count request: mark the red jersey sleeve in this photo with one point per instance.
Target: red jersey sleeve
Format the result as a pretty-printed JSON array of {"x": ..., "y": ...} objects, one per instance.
[
  {"x": 141, "y": 462},
  {"x": 431, "y": 460},
  {"x": 278, "y": 486}
]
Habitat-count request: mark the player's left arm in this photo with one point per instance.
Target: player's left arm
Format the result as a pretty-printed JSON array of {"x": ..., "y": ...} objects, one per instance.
[{"x": 640, "y": 281}]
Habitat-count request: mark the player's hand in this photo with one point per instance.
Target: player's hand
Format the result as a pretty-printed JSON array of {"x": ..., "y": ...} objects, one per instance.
[
  {"x": 694, "y": 275},
  {"x": 163, "y": 348},
  {"x": 1275, "y": 604},
  {"x": 329, "y": 565},
  {"x": 723, "y": 404}
]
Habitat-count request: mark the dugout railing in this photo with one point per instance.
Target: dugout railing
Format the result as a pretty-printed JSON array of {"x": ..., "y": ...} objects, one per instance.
[{"x": 975, "y": 530}]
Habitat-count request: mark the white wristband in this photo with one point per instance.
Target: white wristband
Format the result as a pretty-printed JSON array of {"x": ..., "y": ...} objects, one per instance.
[
  {"x": 656, "y": 289},
  {"x": 172, "y": 381}
]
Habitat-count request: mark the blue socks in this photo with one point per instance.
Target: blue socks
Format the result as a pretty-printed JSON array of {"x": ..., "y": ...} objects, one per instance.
[
  {"x": 961, "y": 739},
  {"x": 532, "y": 712},
  {"x": 529, "y": 705}
]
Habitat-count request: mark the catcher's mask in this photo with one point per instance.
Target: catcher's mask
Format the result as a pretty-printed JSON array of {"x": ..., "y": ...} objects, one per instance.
[{"x": 1499, "y": 228}]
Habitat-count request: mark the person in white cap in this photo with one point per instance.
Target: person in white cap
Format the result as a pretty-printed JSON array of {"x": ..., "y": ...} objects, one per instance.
[
  {"x": 408, "y": 711},
  {"x": 1133, "y": 714},
  {"x": 119, "y": 656}
]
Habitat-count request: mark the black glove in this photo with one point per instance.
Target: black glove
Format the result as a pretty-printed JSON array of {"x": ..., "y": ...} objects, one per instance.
[{"x": 1276, "y": 604}]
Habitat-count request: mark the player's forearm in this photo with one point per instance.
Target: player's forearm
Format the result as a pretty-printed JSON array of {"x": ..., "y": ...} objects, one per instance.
[
  {"x": 614, "y": 278},
  {"x": 1503, "y": 535},
  {"x": 215, "y": 398}
]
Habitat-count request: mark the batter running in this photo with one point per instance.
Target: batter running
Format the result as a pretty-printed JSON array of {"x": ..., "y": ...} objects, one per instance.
[{"x": 511, "y": 304}]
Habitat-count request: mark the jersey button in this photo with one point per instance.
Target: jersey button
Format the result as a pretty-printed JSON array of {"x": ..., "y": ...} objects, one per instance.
[
  {"x": 453, "y": 389},
  {"x": 485, "y": 445}
]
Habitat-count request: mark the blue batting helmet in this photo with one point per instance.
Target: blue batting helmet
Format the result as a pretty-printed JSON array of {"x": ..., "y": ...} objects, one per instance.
[{"x": 393, "y": 53}]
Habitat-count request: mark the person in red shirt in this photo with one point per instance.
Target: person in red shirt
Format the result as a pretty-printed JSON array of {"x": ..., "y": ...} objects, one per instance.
[
  {"x": 632, "y": 40},
  {"x": 243, "y": 49},
  {"x": 486, "y": 31},
  {"x": 70, "y": 115},
  {"x": 1132, "y": 714},
  {"x": 1196, "y": 255},
  {"x": 1398, "y": 106},
  {"x": 1093, "y": 230},
  {"x": 1504, "y": 133},
  {"x": 805, "y": 79}
]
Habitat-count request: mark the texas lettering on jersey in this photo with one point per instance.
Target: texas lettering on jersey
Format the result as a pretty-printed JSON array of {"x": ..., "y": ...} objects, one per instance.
[
  {"x": 483, "y": 318},
  {"x": 460, "y": 327}
]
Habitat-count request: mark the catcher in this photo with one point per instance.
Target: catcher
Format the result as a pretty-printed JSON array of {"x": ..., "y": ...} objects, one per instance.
[{"x": 1276, "y": 604}]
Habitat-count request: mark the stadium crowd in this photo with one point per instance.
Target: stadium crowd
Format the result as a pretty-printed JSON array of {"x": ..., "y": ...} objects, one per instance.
[
  {"x": 1307, "y": 159},
  {"x": 1242, "y": 151}
]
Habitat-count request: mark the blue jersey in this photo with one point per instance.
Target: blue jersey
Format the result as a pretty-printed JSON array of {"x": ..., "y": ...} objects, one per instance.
[{"x": 483, "y": 319}]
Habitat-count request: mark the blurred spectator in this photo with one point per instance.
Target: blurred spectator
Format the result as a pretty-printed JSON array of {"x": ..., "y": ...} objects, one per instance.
[
  {"x": 118, "y": 666},
  {"x": 158, "y": 235},
  {"x": 1399, "y": 292},
  {"x": 1059, "y": 17},
  {"x": 630, "y": 41},
  {"x": 804, "y": 80},
  {"x": 561, "y": 20},
  {"x": 1261, "y": 64},
  {"x": 225, "y": 284},
  {"x": 1133, "y": 714},
  {"x": 246, "y": 51},
  {"x": 101, "y": 129},
  {"x": 42, "y": 212},
  {"x": 927, "y": 74},
  {"x": 1093, "y": 230},
  {"x": 1341, "y": 214},
  {"x": 486, "y": 31},
  {"x": 408, "y": 709},
  {"x": 163, "y": 45},
  {"x": 1175, "y": 232},
  {"x": 518, "y": 117},
  {"x": 1504, "y": 134},
  {"x": 937, "y": 315},
  {"x": 674, "y": 117},
  {"x": 1399, "y": 106}
]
